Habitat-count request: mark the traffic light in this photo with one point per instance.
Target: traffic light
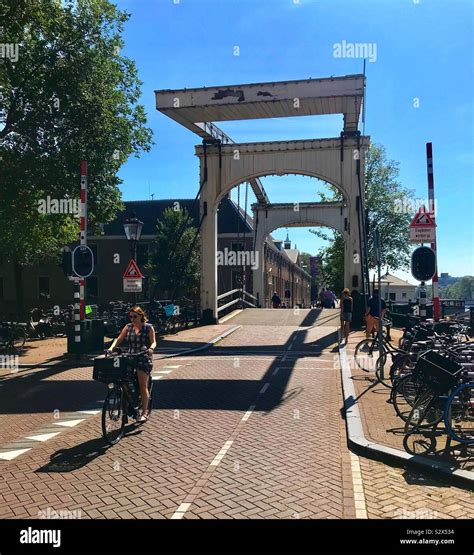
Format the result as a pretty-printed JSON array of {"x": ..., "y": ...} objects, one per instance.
[
  {"x": 423, "y": 263},
  {"x": 66, "y": 261},
  {"x": 82, "y": 261}
]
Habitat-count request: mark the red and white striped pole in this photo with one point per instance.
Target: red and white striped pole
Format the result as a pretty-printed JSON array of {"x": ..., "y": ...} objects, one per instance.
[
  {"x": 83, "y": 235},
  {"x": 431, "y": 198}
]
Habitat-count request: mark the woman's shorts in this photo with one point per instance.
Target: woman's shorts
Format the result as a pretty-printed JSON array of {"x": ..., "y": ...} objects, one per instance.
[
  {"x": 145, "y": 364},
  {"x": 347, "y": 316}
]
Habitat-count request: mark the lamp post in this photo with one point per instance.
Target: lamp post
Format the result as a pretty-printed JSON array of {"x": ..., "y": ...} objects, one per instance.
[{"x": 133, "y": 230}]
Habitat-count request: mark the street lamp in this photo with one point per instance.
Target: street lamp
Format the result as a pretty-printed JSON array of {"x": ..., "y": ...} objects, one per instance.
[{"x": 133, "y": 230}]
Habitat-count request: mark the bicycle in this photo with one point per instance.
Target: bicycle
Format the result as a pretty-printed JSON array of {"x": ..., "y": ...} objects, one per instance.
[
  {"x": 118, "y": 371},
  {"x": 12, "y": 337},
  {"x": 365, "y": 349}
]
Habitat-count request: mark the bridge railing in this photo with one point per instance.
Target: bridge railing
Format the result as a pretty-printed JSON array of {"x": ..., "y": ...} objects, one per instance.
[{"x": 234, "y": 299}]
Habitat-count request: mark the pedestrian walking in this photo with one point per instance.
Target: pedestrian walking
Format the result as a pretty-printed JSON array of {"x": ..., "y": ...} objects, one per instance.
[
  {"x": 276, "y": 301},
  {"x": 346, "y": 314}
]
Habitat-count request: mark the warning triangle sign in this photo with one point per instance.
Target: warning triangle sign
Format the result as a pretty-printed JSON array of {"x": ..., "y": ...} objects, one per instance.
[
  {"x": 132, "y": 271},
  {"x": 422, "y": 219}
]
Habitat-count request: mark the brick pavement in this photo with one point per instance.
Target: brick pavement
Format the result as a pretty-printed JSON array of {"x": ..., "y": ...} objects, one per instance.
[
  {"x": 380, "y": 421},
  {"x": 236, "y": 432}
]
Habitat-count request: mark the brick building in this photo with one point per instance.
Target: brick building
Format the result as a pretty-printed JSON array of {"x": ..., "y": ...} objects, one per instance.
[{"x": 46, "y": 285}]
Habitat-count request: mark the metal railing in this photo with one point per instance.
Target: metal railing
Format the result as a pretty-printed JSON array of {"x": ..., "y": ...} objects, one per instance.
[{"x": 239, "y": 300}]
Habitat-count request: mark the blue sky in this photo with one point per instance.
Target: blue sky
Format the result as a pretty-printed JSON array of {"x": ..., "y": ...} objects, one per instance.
[{"x": 424, "y": 51}]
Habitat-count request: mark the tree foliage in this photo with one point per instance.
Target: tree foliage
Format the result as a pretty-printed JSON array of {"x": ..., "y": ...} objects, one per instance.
[
  {"x": 69, "y": 96},
  {"x": 175, "y": 265}
]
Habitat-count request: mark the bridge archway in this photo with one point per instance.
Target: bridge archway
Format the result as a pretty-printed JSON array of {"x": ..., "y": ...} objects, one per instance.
[{"x": 338, "y": 161}]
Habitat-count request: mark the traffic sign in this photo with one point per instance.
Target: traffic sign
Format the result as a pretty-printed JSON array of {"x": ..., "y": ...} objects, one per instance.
[
  {"x": 132, "y": 278},
  {"x": 422, "y": 227},
  {"x": 82, "y": 261},
  {"x": 132, "y": 271},
  {"x": 422, "y": 219},
  {"x": 132, "y": 285}
]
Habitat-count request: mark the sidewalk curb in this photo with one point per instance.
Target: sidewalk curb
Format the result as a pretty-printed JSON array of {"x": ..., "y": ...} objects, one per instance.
[
  {"x": 362, "y": 446},
  {"x": 85, "y": 364}
]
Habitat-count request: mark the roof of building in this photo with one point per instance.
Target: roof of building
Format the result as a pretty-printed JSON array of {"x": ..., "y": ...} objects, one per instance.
[
  {"x": 396, "y": 281},
  {"x": 149, "y": 211},
  {"x": 292, "y": 254}
]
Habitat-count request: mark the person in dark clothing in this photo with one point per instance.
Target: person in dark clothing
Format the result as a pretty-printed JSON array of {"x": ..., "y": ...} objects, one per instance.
[
  {"x": 346, "y": 313},
  {"x": 276, "y": 301},
  {"x": 372, "y": 315}
]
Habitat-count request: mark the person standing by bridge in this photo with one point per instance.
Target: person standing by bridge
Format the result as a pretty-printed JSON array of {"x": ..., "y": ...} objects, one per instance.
[
  {"x": 276, "y": 301},
  {"x": 346, "y": 314},
  {"x": 372, "y": 315}
]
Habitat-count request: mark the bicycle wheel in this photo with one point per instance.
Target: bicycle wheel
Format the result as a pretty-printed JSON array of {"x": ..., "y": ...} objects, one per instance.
[
  {"x": 18, "y": 338},
  {"x": 459, "y": 414},
  {"x": 425, "y": 412},
  {"x": 404, "y": 393},
  {"x": 402, "y": 366},
  {"x": 382, "y": 363},
  {"x": 113, "y": 416},
  {"x": 366, "y": 354}
]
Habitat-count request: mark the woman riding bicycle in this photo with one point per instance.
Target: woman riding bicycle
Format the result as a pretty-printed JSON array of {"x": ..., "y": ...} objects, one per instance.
[{"x": 139, "y": 335}]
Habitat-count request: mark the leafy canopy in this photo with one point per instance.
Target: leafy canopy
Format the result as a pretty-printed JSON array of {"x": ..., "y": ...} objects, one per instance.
[{"x": 70, "y": 95}]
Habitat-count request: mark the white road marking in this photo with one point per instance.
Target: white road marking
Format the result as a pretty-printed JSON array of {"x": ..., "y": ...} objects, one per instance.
[
  {"x": 69, "y": 423},
  {"x": 91, "y": 411},
  {"x": 162, "y": 371},
  {"x": 9, "y": 455},
  {"x": 246, "y": 416},
  {"x": 264, "y": 388},
  {"x": 179, "y": 513},
  {"x": 359, "y": 497},
  {"x": 156, "y": 377},
  {"x": 43, "y": 437},
  {"x": 222, "y": 452},
  {"x": 172, "y": 367}
]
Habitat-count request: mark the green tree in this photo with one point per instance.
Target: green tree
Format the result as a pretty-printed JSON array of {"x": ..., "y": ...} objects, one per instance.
[
  {"x": 385, "y": 203},
  {"x": 175, "y": 266},
  {"x": 462, "y": 289},
  {"x": 68, "y": 95}
]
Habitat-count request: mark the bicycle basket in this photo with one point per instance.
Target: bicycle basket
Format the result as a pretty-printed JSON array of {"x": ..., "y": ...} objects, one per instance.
[
  {"x": 108, "y": 370},
  {"x": 440, "y": 372}
]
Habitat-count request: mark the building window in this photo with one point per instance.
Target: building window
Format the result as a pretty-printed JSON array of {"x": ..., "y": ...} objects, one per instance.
[
  {"x": 404, "y": 295},
  {"x": 43, "y": 287},
  {"x": 92, "y": 284},
  {"x": 393, "y": 296}
]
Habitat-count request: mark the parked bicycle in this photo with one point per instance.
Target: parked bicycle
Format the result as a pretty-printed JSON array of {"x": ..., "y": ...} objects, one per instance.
[
  {"x": 119, "y": 371},
  {"x": 12, "y": 337}
]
